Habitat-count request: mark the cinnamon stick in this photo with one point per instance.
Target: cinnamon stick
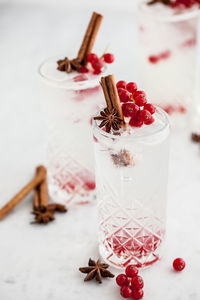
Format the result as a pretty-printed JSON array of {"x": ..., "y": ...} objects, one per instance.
[
  {"x": 89, "y": 37},
  {"x": 111, "y": 94},
  {"x": 40, "y": 176},
  {"x": 40, "y": 194}
]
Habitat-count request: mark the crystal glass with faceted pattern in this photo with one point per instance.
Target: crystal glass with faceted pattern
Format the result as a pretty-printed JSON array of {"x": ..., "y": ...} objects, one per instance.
[
  {"x": 131, "y": 179},
  {"x": 69, "y": 101}
]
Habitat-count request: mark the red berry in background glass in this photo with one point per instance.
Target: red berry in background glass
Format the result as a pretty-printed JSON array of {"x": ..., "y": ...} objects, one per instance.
[
  {"x": 83, "y": 69},
  {"x": 137, "y": 283},
  {"x": 145, "y": 115},
  {"x": 154, "y": 59},
  {"x": 140, "y": 100},
  {"x": 131, "y": 87},
  {"x": 124, "y": 96},
  {"x": 137, "y": 294},
  {"x": 129, "y": 109},
  {"x": 149, "y": 121},
  {"x": 131, "y": 271},
  {"x": 178, "y": 264},
  {"x": 109, "y": 58},
  {"x": 122, "y": 280},
  {"x": 150, "y": 108},
  {"x": 97, "y": 64},
  {"x": 97, "y": 71},
  {"x": 92, "y": 57},
  {"x": 121, "y": 84},
  {"x": 126, "y": 291}
]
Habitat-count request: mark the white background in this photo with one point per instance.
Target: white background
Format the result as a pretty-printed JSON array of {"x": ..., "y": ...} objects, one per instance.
[{"x": 39, "y": 262}]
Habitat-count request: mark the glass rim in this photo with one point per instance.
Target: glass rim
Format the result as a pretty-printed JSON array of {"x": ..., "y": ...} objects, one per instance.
[
  {"x": 133, "y": 137},
  {"x": 79, "y": 85},
  {"x": 185, "y": 15}
]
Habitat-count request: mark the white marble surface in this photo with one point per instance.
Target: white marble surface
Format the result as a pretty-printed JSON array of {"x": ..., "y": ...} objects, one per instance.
[{"x": 41, "y": 262}]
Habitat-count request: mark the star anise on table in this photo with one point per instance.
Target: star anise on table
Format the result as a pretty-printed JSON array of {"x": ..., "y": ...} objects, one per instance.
[
  {"x": 67, "y": 65},
  {"x": 109, "y": 119},
  {"x": 96, "y": 270},
  {"x": 43, "y": 217},
  {"x": 47, "y": 215},
  {"x": 165, "y": 2}
]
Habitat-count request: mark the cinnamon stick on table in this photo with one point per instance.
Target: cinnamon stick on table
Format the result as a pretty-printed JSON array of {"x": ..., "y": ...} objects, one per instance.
[
  {"x": 89, "y": 38},
  {"x": 40, "y": 194},
  {"x": 40, "y": 176},
  {"x": 111, "y": 95}
]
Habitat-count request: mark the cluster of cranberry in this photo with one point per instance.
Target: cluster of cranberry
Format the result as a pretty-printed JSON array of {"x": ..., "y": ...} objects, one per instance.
[
  {"x": 131, "y": 283},
  {"x": 97, "y": 63},
  {"x": 135, "y": 104},
  {"x": 185, "y": 3}
]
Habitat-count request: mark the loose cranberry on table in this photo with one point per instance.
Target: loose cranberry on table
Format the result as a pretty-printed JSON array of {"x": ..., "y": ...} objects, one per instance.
[
  {"x": 109, "y": 58},
  {"x": 126, "y": 291},
  {"x": 131, "y": 271},
  {"x": 178, "y": 264},
  {"x": 137, "y": 294},
  {"x": 122, "y": 280},
  {"x": 137, "y": 283}
]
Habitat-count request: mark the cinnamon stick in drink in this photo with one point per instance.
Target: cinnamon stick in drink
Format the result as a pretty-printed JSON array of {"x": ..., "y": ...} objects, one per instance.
[
  {"x": 111, "y": 95},
  {"x": 40, "y": 176},
  {"x": 90, "y": 37}
]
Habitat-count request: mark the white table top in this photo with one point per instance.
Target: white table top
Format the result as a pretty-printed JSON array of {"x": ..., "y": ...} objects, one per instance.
[{"x": 41, "y": 262}]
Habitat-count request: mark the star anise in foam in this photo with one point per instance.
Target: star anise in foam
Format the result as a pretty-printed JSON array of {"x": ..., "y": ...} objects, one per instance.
[
  {"x": 67, "y": 65},
  {"x": 96, "y": 270},
  {"x": 165, "y": 2},
  {"x": 109, "y": 119}
]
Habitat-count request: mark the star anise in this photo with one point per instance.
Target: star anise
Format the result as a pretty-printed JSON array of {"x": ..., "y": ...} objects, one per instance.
[
  {"x": 46, "y": 215},
  {"x": 96, "y": 270},
  {"x": 67, "y": 65},
  {"x": 165, "y": 2},
  {"x": 196, "y": 137},
  {"x": 109, "y": 119},
  {"x": 43, "y": 217}
]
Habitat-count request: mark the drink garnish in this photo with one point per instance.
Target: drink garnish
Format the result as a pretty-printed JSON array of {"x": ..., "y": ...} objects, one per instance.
[
  {"x": 109, "y": 119},
  {"x": 96, "y": 270}
]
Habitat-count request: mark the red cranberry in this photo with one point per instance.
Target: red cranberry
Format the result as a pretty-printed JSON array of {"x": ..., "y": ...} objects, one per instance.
[
  {"x": 178, "y": 264},
  {"x": 124, "y": 96},
  {"x": 134, "y": 122},
  {"x": 97, "y": 71},
  {"x": 122, "y": 280},
  {"x": 121, "y": 84},
  {"x": 129, "y": 109},
  {"x": 139, "y": 93},
  {"x": 109, "y": 58},
  {"x": 137, "y": 294},
  {"x": 126, "y": 291},
  {"x": 92, "y": 58},
  {"x": 83, "y": 69},
  {"x": 137, "y": 283},
  {"x": 153, "y": 59},
  {"x": 131, "y": 271},
  {"x": 131, "y": 87},
  {"x": 140, "y": 100},
  {"x": 97, "y": 64},
  {"x": 149, "y": 121},
  {"x": 150, "y": 108},
  {"x": 145, "y": 115}
]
